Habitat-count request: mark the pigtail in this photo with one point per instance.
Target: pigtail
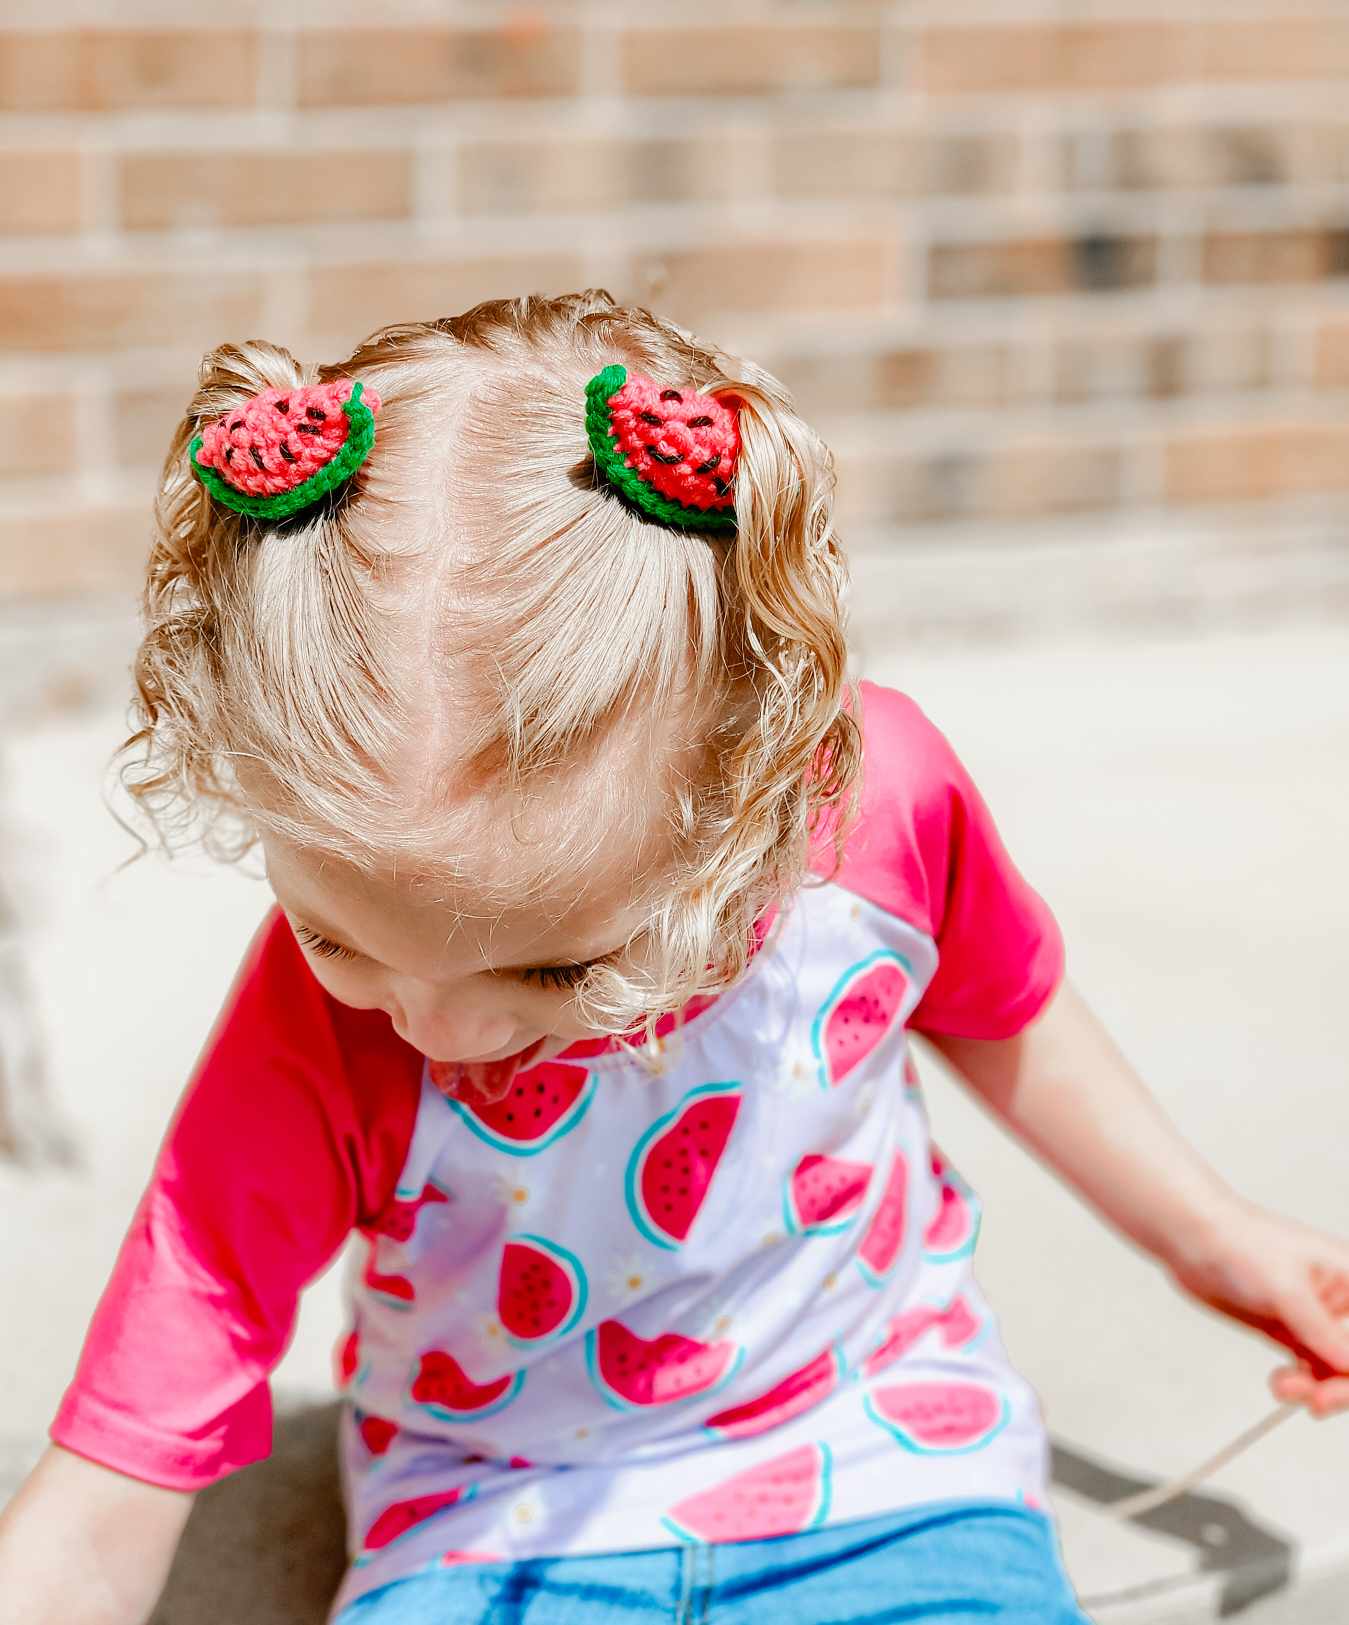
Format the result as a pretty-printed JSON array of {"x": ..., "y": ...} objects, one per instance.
[
  {"x": 192, "y": 572},
  {"x": 791, "y": 578}
]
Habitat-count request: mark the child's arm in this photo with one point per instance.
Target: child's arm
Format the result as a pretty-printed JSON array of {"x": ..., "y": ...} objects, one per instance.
[
  {"x": 1062, "y": 1087},
  {"x": 82, "y": 1545}
]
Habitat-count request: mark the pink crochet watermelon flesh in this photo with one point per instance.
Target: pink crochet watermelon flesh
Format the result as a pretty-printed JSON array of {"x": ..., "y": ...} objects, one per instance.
[
  {"x": 785, "y": 1496},
  {"x": 798, "y": 1392},
  {"x": 673, "y": 1164},
  {"x": 671, "y": 451},
  {"x": 823, "y": 1195},
  {"x": 884, "y": 1236},
  {"x": 939, "y": 1418},
  {"x": 446, "y": 1390},
  {"x": 285, "y": 448},
  {"x": 543, "y": 1104},
  {"x": 541, "y": 1289},
  {"x": 858, "y": 1014},
  {"x": 405, "y": 1516},
  {"x": 632, "y": 1373}
]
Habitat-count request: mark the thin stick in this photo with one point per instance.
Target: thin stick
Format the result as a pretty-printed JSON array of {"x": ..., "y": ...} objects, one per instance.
[{"x": 1133, "y": 1506}]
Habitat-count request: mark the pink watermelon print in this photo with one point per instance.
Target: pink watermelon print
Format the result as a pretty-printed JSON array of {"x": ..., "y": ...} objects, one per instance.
[
  {"x": 823, "y": 1195},
  {"x": 633, "y": 1372},
  {"x": 859, "y": 1014},
  {"x": 449, "y": 1560},
  {"x": 395, "y": 1290},
  {"x": 797, "y": 1393},
  {"x": 673, "y": 1164},
  {"x": 939, "y": 1418},
  {"x": 543, "y": 1103},
  {"x": 284, "y": 448},
  {"x": 444, "y": 1388},
  {"x": 957, "y": 1323},
  {"x": 671, "y": 451},
  {"x": 377, "y": 1432},
  {"x": 399, "y": 1218},
  {"x": 785, "y": 1496},
  {"x": 912, "y": 1082},
  {"x": 348, "y": 1359},
  {"x": 885, "y": 1234},
  {"x": 954, "y": 1228},
  {"x": 404, "y": 1516},
  {"x": 541, "y": 1289}
]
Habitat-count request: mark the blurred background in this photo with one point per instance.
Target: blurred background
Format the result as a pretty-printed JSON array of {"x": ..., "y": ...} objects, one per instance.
[{"x": 1064, "y": 284}]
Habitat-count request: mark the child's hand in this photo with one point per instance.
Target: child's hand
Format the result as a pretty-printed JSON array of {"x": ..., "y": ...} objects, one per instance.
[{"x": 1290, "y": 1282}]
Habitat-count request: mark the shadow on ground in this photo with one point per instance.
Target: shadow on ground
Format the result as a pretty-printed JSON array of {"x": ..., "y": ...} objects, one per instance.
[{"x": 265, "y": 1546}]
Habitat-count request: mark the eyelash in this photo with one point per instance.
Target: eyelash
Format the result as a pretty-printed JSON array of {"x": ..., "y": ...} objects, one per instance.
[{"x": 560, "y": 978}]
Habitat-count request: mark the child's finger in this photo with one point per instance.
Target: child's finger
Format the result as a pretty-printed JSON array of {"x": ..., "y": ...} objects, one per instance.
[{"x": 1328, "y": 1398}]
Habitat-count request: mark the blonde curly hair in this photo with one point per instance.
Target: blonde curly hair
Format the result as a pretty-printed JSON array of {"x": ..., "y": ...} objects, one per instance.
[{"x": 545, "y": 611}]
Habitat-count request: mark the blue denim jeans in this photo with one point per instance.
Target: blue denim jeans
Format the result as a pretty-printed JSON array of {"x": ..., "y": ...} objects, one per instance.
[{"x": 952, "y": 1562}]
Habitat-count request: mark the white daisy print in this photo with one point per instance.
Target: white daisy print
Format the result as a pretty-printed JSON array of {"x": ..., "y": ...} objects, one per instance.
[
  {"x": 510, "y": 1191},
  {"x": 628, "y": 1276}
]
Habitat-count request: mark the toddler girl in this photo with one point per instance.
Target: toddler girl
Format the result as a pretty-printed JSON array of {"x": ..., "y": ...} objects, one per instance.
[{"x": 605, "y": 909}]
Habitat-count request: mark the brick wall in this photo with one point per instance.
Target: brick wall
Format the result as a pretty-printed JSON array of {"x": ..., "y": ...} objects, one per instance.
[{"x": 1027, "y": 265}]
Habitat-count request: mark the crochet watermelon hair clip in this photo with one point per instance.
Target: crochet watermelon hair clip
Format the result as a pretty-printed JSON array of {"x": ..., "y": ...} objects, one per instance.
[
  {"x": 672, "y": 452},
  {"x": 285, "y": 448}
]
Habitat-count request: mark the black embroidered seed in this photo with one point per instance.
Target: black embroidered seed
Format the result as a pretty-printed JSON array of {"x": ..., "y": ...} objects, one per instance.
[
  {"x": 708, "y": 466},
  {"x": 286, "y": 452},
  {"x": 650, "y": 417},
  {"x": 700, "y": 422},
  {"x": 237, "y": 424},
  {"x": 229, "y": 454},
  {"x": 315, "y": 412},
  {"x": 671, "y": 395},
  {"x": 723, "y": 486},
  {"x": 256, "y": 455},
  {"x": 663, "y": 457},
  {"x": 307, "y": 428},
  {"x": 283, "y": 407}
]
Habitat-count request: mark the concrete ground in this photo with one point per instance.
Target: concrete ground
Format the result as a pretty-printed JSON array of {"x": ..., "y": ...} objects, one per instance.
[{"x": 1184, "y": 806}]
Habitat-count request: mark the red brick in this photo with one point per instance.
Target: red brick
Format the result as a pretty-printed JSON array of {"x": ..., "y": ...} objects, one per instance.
[
  {"x": 76, "y": 550},
  {"x": 739, "y": 59},
  {"x": 1332, "y": 354},
  {"x": 253, "y": 188},
  {"x": 525, "y": 176},
  {"x": 1040, "y": 265},
  {"x": 368, "y": 66},
  {"x": 37, "y": 433},
  {"x": 39, "y": 191},
  {"x": 693, "y": 284},
  {"x": 1046, "y": 56},
  {"x": 1305, "y": 254},
  {"x": 105, "y": 310},
  {"x": 891, "y": 163},
  {"x": 1014, "y": 480},
  {"x": 894, "y": 377},
  {"x": 1256, "y": 461},
  {"x": 349, "y": 301},
  {"x": 105, "y": 70},
  {"x": 143, "y": 422}
]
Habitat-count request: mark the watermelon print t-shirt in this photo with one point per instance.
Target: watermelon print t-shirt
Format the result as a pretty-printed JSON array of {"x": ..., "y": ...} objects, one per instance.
[{"x": 716, "y": 1289}]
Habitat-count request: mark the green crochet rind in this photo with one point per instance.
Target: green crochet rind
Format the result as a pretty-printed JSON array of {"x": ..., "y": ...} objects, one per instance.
[
  {"x": 355, "y": 450},
  {"x": 629, "y": 482}
]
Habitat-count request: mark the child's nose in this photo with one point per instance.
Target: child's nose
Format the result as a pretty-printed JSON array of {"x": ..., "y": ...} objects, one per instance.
[{"x": 451, "y": 1024}]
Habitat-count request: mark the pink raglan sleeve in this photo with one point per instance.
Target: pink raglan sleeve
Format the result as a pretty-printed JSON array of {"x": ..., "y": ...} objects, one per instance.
[
  {"x": 292, "y": 1131},
  {"x": 926, "y": 847}
]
